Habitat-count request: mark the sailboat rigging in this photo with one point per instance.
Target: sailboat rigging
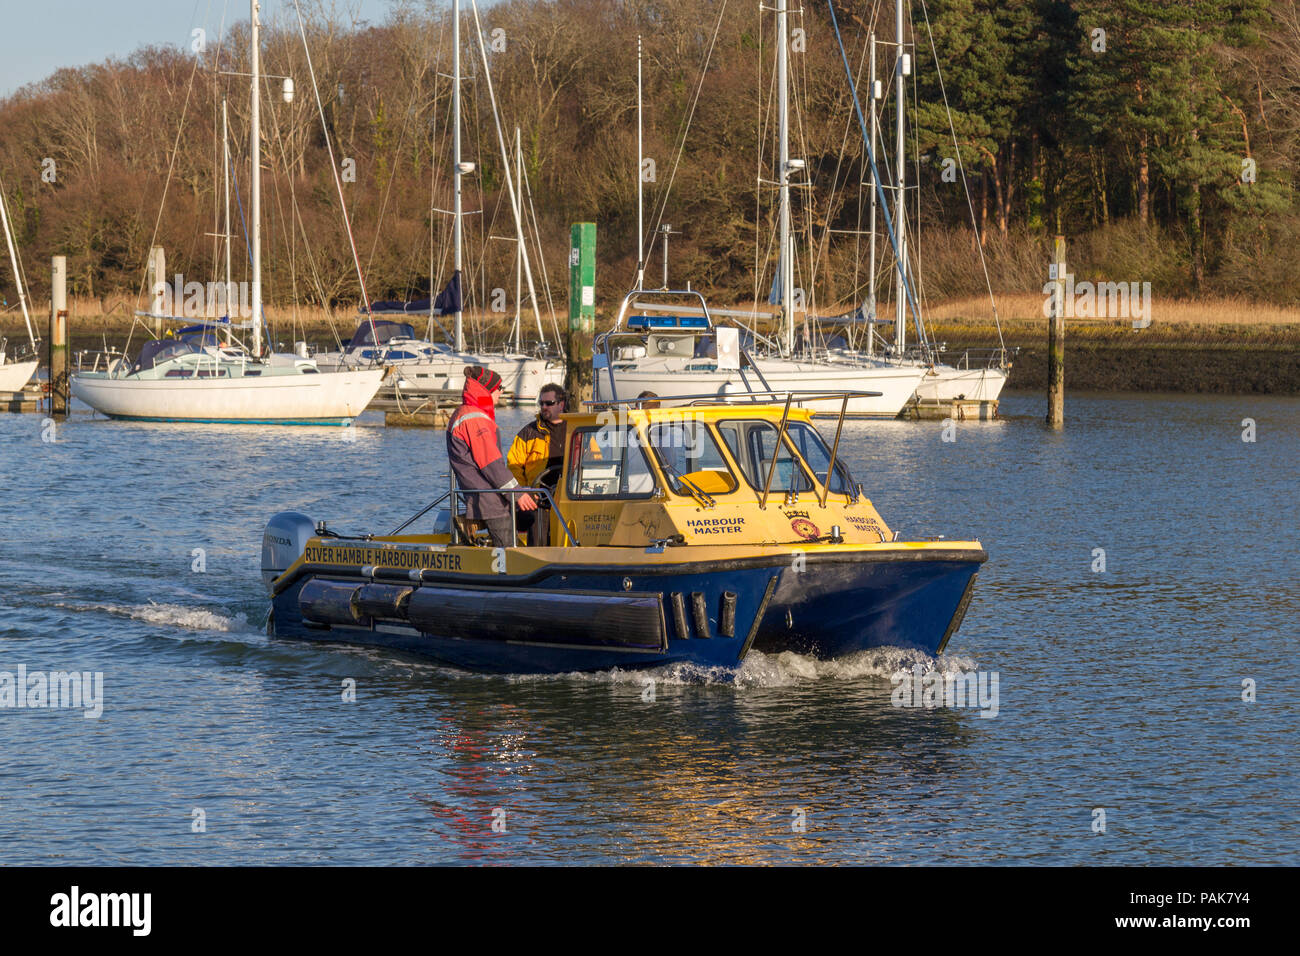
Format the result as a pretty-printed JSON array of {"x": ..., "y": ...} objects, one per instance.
[
  {"x": 424, "y": 365},
  {"x": 678, "y": 350}
]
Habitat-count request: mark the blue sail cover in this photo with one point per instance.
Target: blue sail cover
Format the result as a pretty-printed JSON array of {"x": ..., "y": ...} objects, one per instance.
[
  {"x": 449, "y": 302},
  {"x": 398, "y": 307}
]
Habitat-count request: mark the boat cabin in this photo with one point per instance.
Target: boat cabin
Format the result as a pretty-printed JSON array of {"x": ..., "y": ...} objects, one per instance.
[{"x": 715, "y": 474}]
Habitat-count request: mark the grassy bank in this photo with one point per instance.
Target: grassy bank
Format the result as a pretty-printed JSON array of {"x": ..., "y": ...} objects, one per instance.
[{"x": 1206, "y": 346}]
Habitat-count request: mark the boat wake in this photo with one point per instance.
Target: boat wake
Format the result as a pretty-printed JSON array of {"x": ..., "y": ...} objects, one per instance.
[
  {"x": 170, "y": 615},
  {"x": 787, "y": 669}
]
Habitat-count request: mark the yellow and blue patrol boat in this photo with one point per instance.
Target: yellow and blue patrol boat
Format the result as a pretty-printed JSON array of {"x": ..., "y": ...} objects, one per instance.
[{"x": 688, "y": 534}]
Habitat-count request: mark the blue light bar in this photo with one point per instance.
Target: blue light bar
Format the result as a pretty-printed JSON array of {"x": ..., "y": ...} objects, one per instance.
[{"x": 667, "y": 322}]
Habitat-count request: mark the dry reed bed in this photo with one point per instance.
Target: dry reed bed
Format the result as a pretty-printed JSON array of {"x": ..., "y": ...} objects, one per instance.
[{"x": 1019, "y": 313}]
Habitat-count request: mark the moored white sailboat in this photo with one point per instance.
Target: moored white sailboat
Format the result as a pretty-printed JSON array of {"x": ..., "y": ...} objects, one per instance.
[
  {"x": 16, "y": 374},
  {"x": 192, "y": 384},
  {"x": 420, "y": 365},
  {"x": 180, "y": 380}
]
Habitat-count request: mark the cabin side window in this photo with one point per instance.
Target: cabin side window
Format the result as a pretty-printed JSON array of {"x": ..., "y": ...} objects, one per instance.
[
  {"x": 609, "y": 463},
  {"x": 752, "y": 442},
  {"x": 809, "y": 441}
]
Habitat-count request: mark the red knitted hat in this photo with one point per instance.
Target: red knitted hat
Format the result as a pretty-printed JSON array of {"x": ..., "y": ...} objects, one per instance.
[{"x": 484, "y": 376}]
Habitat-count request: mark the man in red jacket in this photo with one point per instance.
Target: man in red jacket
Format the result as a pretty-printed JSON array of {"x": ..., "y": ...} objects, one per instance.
[{"x": 474, "y": 451}]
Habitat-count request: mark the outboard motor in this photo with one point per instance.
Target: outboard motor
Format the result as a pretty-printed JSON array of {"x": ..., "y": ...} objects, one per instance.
[{"x": 286, "y": 535}]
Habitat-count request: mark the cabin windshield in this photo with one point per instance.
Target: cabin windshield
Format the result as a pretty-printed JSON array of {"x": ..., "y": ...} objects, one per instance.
[
  {"x": 690, "y": 458},
  {"x": 158, "y": 351},
  {"x": 752, "y": 443}
]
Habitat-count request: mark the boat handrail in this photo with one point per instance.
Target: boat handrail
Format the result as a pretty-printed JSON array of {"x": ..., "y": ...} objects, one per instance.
[
  {"x": 628, "y": 301},
  {"x": 512, "y": 492},
  {"x": 830, "y": 467},
  {"x": 799, "y": 395},
  {"x": 776, "y": 451},
  {"x": 109, "y": 356}
]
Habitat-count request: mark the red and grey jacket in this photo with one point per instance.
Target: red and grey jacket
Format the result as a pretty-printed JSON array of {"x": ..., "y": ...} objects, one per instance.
[{"x": 475, "y": 454}]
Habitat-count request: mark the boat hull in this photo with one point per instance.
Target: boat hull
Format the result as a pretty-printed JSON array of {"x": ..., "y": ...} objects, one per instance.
[
  {"x": 576, "y": 617},
  {"x": 576, "y": 620},
  {"x": 838, "y": 607},
  {"x": 15, "y": 375},
  {"x": 896, "y": 383},
  {"x": 949, "y": 384},
  {"x": 317, "y": 399},
  {"x": 523, "y": 377}
]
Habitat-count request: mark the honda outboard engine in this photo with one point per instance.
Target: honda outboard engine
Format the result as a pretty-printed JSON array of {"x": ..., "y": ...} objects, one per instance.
[{"x": 286, "y": 535}]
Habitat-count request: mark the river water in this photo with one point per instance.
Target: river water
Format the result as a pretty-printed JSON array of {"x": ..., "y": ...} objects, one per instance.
[{"x": 1120, "y": 737}]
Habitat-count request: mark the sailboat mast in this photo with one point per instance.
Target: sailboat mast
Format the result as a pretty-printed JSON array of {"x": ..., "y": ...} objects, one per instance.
[
  {"x": 519, "y": 246},
  {"x": 871, "y": 256},
  {"x": 255, "y": 157},
  {"x": 900, "y": 223},
  {"x": 640, "y": 185},
  {"x": 225, "y": 166},
  {"x": 786, "y": 258},
  {"x": 456, "y": 169},
  {"x": 515, "y": 199},
  {"x": 13, "y": 261}
]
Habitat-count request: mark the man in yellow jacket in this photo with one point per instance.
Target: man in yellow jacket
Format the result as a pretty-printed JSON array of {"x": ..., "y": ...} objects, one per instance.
[{"x": 538, "y": 448}]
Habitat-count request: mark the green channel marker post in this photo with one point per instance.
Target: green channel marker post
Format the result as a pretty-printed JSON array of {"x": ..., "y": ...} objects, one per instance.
[{"x": 582, "y": 311}]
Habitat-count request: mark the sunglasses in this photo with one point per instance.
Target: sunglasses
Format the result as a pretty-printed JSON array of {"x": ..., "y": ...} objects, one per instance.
[{"x": 546, "y": 404}]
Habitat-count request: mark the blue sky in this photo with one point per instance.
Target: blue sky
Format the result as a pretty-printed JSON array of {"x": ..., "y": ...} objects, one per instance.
[{"x": 40, "y": 36}]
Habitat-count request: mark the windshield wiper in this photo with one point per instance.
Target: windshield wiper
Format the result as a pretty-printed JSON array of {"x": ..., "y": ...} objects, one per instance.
[{"x": 703, "y": 497}]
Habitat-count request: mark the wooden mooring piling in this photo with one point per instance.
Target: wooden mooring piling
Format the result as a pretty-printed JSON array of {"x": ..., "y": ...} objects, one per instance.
[
  {"x": 1056, "y": 340},
  {"x": 58, "y": 339}
]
